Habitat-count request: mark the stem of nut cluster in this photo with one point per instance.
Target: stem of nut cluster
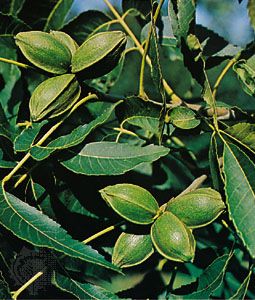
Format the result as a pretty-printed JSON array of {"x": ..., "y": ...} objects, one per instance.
[
  {"x": 47, "y": 134},
  {"x": 168, "y": 89},
  {"x": 14, "y": 62},
  {"x": 194, "y": 185}
]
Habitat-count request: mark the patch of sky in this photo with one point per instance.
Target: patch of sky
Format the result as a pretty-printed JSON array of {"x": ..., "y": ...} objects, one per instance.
[{"x": 228, "y": 18}]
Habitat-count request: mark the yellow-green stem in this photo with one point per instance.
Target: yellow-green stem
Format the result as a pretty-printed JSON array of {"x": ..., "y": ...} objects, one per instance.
[
  {"x": 26, "y": 285},
  {"x": 175, "y": 99},
  {"x": 40, "y": 273},
  {"x": 142, "y": 93},
  {"x": 45, "y": 137},
  {"x": 98, "y": 234},
  {"x": 223, "y": 73},
  {"x": 14, "y": 62}
]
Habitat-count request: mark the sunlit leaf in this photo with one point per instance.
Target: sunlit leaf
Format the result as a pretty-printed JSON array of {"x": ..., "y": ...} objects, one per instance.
[
  {"x": 183, "y": 118},
  {"x": 243, "y": 133},
  {"x": 109, "y": 158}
]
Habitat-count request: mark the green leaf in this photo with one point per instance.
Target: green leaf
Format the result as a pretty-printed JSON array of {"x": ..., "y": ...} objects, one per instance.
[
  {"x": 4, "y": 289},
  {"x": 193, "y": 59},
  {"x": 131, "y": 250},
  {"x": 8, "y": 134},
  {"x": 241, "y": 292},
  {"x": 182, "y": 15},
  {"x": 10, "y": 74},
  {"x": 13, "y": 7},
  {"x": 149, "y": 124},
  {"x": 109, "y": 158},
  {"x": 136, "y": 107},
  {"x": 31, "y": 225},
  {"x": 215, "y": 48},
  {"x": 131, "y": 202},
  {"x": 10, "y": 24},
  {"x": 243, "y": 133},
  {"x": 131, "y": 69},
  {"x": 24, "y": 141},
  {"x": 81, "y": 290},
  {"x": 69, "y": 200},
  {"x": 214, "y": 164},
  {"x": 209, "y": 280},
  {"x": 41, "y": 11},
  {"x": 251, "y": 10},
  {"x": 157, "y": 77},
  {"x": 184, "y": 118},
  {"x": 57, "y": 17},
  {"x": 245, "y": 70},
  {"x": 85, "y": 24},
  {"x": 74, "y": 138},
  {"x": 6, "y": 164},
  {"x": 142, "y": 6},
  {"x": 239, "y": 173},
  {"x": 42, "y": 198}
]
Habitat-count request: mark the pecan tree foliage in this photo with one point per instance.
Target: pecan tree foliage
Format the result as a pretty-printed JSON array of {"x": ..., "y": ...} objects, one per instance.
[{"x": 127, "y": 144}]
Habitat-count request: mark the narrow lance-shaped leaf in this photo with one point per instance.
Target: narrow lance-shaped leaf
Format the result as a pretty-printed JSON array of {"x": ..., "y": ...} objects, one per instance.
[
  {"x": 81, "y": 290},
  {"x": 157, "y": 77},
  {"x": 244, "y": 133},
  {"x": 4, "y": 289},
  {"x": 239, "y": 173},
  {"x": 31, "y": 225},
  {"x": 10, "y": 74},
  {"x": 109, "y": 158},
  {"x": 25, "y": 140},
  {"x": 214, "y": 164},
  {"x": 74, "y": 138},
  {"x": 6, "y": 164},
  {"x": 245, "y": 70},
  {"x": 241, "y": 292},
  {"x": 209, "y": 280},
  {"x": 85, "y": 24},
  {"x": 57, "y": 17},
  {"x": 10, "y": 24},
  {"x": 181, "y": 14}
]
